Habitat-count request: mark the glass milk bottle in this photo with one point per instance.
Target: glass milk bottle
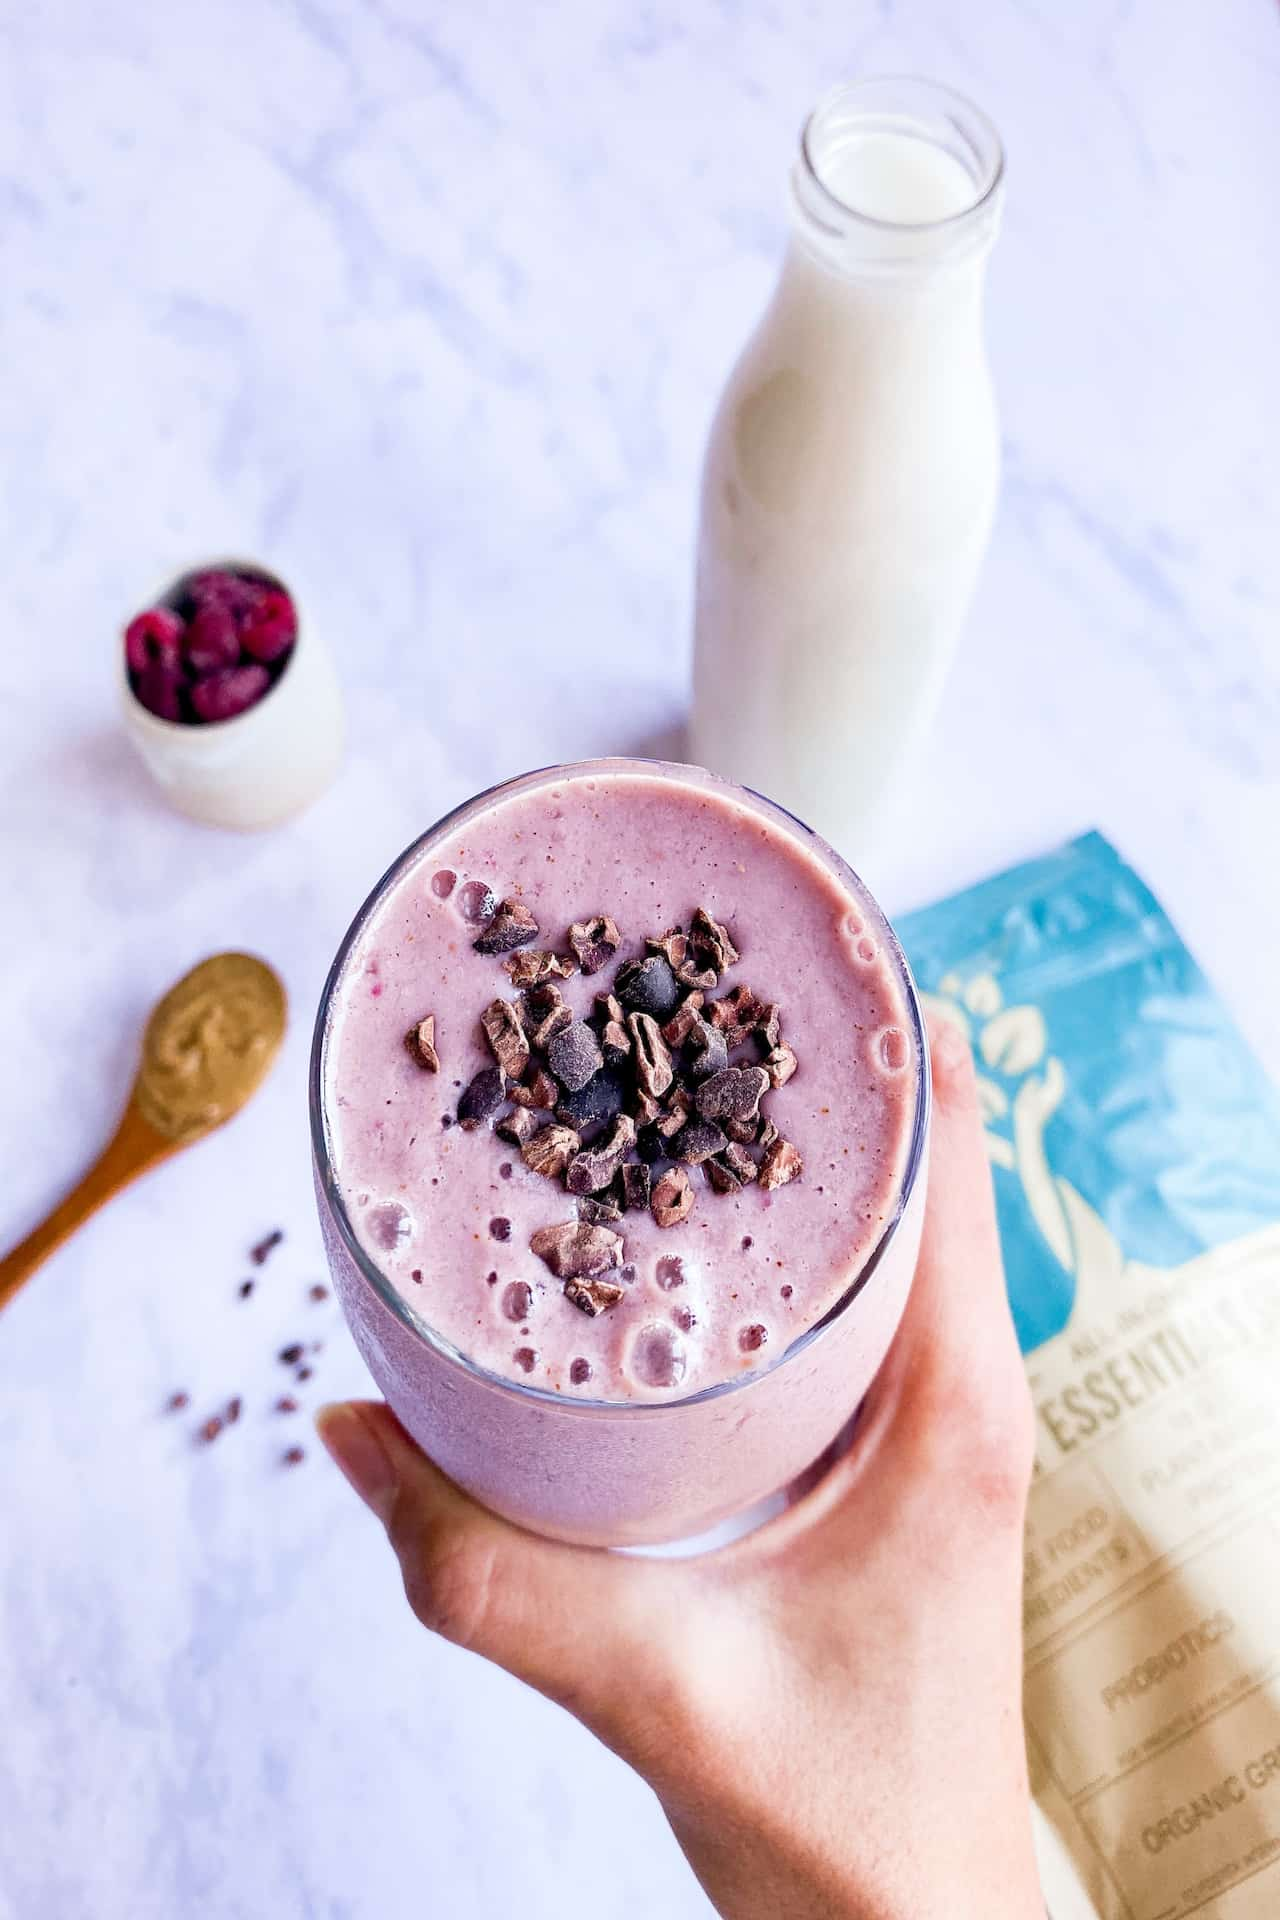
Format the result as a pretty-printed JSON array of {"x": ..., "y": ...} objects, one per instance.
[{"x": 852, "y": 469}]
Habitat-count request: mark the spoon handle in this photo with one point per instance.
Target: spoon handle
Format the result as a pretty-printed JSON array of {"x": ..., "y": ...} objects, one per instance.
[{"x": 133, "y": 1148}]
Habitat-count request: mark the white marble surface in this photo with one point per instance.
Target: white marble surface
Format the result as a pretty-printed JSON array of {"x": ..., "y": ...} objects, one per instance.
[{"x": 429, "y": 306}]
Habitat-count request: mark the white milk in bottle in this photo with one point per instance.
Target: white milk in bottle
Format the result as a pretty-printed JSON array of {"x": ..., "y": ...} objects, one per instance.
[{"x": 852, "y": 469}]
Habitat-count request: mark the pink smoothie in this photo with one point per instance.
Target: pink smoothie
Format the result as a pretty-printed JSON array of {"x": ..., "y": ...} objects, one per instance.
[{"x": 448, "y": 1215}]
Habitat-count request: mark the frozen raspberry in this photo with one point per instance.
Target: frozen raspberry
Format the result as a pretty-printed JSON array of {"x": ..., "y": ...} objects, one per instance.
[
  {"x": 211, "y": 641},
  {"x": 216, "y": 587},
  {"x": 153, "y": 638},
  {"x": 223, "y": 695},
  {"x": 159, "y": 688},
  {"x": 269, "y": 629}
]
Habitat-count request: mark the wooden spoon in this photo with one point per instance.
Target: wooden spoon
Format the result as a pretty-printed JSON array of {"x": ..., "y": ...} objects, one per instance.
[{"x": 208, "y": 1046}]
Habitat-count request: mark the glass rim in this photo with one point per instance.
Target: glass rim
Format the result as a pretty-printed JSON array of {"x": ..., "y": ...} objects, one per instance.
[
  {"x": 955, "y": 106},
  {"x": 384, "y": 1287}
]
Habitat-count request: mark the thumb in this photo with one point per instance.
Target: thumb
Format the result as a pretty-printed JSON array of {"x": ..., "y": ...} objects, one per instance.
[{"x": 581, "y": 1625}]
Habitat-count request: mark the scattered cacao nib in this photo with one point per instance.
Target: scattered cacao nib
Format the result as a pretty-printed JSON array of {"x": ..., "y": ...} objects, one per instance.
[
  {"x": 683, "y": 1020},
  {"x": 647, "y": 1108},
  {"x": 500, "y": 1228},
  {"x": 609, "y": 1008},
  {"x": 303, "y": 1373},
  {"x": 752, "y": 1338},
  {"x": 706, "y": 1051},
  {"x": 266, "y": 1246},
  {"x": 177, "y": 1401},
  {"x": 769, "y": 1029},
  {"x": 292, "y": 1457},
  {"x": 482, "y": 1098},
  {"x": 518, "y": 1127},
  {"x": 543, "y": 1013},
  {"x": 654, "y": 1071},
  {"x": 512, "y": 926},
  {"x": 672, "y": 1198},
  {"x": 234, "y": 1408},
  {"x": 593, "y": 1105},
  {"x": 507, "y": 1039},
  {"x": 780, "y": 1164},
  {"x": 579, "y": 1372},
  {"x": 595, "y": 942},
  {"x": 739, "y": 1161},
  {"x": 636, "y": 1183},
  {"x": 734, "y": 1094},
  {"x": 597, "y": 1165},
  {"x": 674, "y": 1114},
  {"x": 289, "y": 1356},
  {"x": 743, "y": 1131},
  {"x": 711, "y": 942},
  {"x": 537, "y": 1090},
  {"x": 550, "y": 1151},
  {"x": 721, "y": 1177},
  {"x": 698, "y": 1142},
  {"x": 575, "y": 1250},
  {"x": 599, "y": 1211},
  {"x": 286, "y": 1404},
  {"x": 208, "y": 1430},
  {"x": 421, "y": 1043},
  {"x": 650, "y": 1145},
  {"x": 526, "y": 1358},
  {"x": 536, "y": 964},
  {"x": 615, "y": 1044},
  {"x": 593, "y": 1296},
  {"x": 767, "y": 1134},
  {"x": 737, "y": 1015},
  {"x": 676, "y": 950},
  {"x": 574, "y": 1056},
  {"x": 648, "y": 986},
  {"x": 780, "y": 1064},
  {"x": 244, "y": 1289},
  {"x": 317, "y": 1292}
]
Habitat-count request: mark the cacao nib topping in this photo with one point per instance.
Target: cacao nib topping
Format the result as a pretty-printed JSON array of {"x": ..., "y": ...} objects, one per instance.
[
  {"x": 508, "y": 1042},
  {"x": 615, "y": 1044},
  {"x": 780, "y": 1064},
  {"x": 650, "y": 1145},
  {"x": 737, "y": 1015},
  {"x": 766, "y": 1134},
  {"x": 599, "y": 1209},
  {"x": 734, "y": 1094},
  {"x": 739, "y": 1161},
  {"x": 648, "y": 986},
  {"x": 593, "y": 1296},
  {"x": 518, "y": 1127},
  {"x": 698, "y": 1141},
  {"x": 593, "y": 1105},
  {"x": 576, "y": 1250},
  {"x": 683, "y": 1020},
  {"x": 543, "y": 1014},
  {"x": 579, "y": 1372},
  {"x": 677, "y": 951},
  {"x": 781, "y": 1164},
  {"x": 636, "y": 1183},
  {"x": 672, "y": 1198},
  {"x": 743, "y": 1131},
  {"x": 550, "y": 1151},
  {"x": 265, "y": 1247},
  {"x": 721, "y": 1177},
  {"x": 752, "y": 1338},
  {"x": 595, "y": 942},
  {"x": 537, "y": 1089},
  {"x": 500, "y": 1228},
  {"x": 536, "y": 964},
  {"x": 706, "y": 1050},
  {"x": 711, "y": 942},
  {"x": 654, "y": 1071},
  {"x": 512, "y": 926},
  {"x": 482, "y": 1098},
  {"x": 597, "y": 1165},
  {"x": 610, "y": 1008},
  {"x": 769, "y": 1029},
  {"x": 421, "y": 1042},
  {"x": 574, "y": 1056},
  {"x": 674, "y": 1113}
]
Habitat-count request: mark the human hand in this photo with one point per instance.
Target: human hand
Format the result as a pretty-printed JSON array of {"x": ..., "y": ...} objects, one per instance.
[{"x": 829, "y": 1710}]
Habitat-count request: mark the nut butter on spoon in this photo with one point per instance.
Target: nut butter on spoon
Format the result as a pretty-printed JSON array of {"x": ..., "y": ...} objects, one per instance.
[{"x": 208, "y": 1046}]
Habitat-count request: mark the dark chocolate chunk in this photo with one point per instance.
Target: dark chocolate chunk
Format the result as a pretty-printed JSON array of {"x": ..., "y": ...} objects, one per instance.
[
  {"x": 574, "y": 1056},
  {"x": 575, "y": 1250},
  {"x": 733, "y": 1094},
  {"x": 636, "y": 1184},
  {"x": 672, "y": 1198},
  {"x": 593, "y": 1105},
  {"x": 697, "y": 1142},
  {"x": 721, "y": 1177},
  {"x": 544, "y": 1014},
  {"x": 781, "y": 1164},
  {"x": 648, "y": 986},
  {"x": 512, "y": 926},
  {"x": 706, "y": 1051},
  {"x": 595, "y": 942},
  {"x": 739, "y": 1161},
  {"x": 537, "y": 1089},
  {"x": 737, "y": 1015},
  {"x": 550, "y": 1151},
  {"x": 683, "y": 1020},
  {"x": 518, "y": 1127},
  {"x": 596, "y": 1166},
  {"x": 482, "y": 1098},
  {"x": 599, "y": 1210},
  {"x": 654, "y": 1072},
  {"x": 421, "y": 1042},
  {"x": 710, "y": 941},
  {"x": 507, "y": 1039},
  {"x": 780, "y": 1064},
  {"x": 593, "y": 1296},
  {"x": 536, "y": 964}
]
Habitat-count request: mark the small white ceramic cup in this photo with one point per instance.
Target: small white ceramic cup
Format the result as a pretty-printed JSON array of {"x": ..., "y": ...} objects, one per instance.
[{"x": 264, "y": 765}]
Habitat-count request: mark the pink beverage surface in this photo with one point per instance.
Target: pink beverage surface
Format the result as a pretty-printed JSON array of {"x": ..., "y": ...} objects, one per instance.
[{"x": 448, "y": 1215}]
